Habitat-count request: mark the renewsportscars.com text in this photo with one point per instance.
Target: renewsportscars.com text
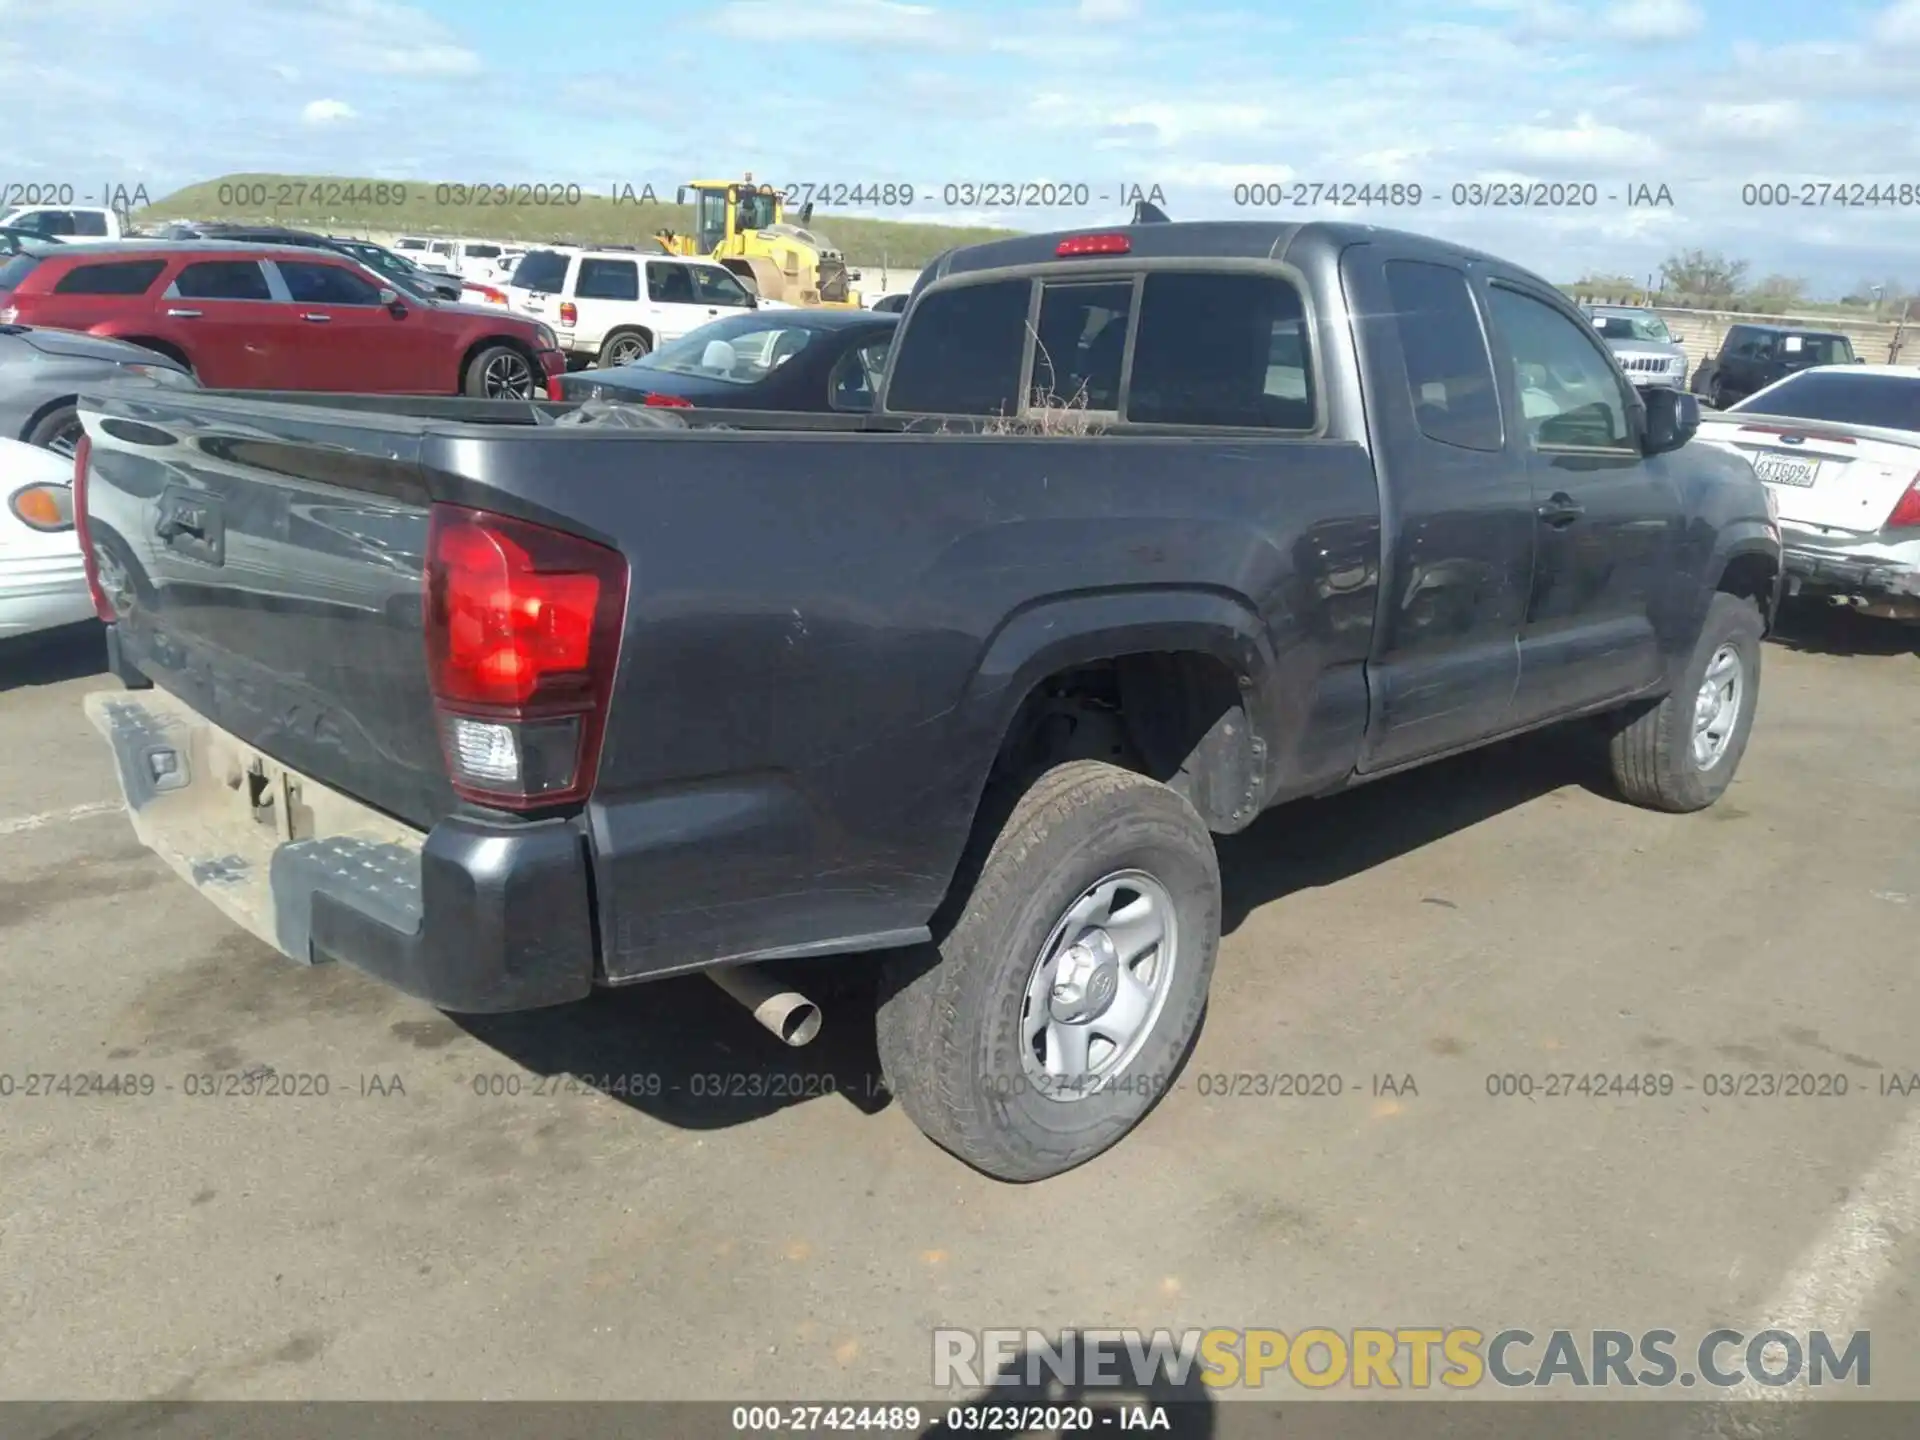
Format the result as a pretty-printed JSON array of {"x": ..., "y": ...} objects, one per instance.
[{"x": 1401, "y": 1357}]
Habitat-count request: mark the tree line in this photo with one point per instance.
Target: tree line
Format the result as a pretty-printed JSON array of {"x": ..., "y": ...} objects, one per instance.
[{"x": 1709, "y": 280}]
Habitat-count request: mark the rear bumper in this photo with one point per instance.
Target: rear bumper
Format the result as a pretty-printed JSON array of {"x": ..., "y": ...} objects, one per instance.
[
  {"x": 1885, "y": 576},
  {"x": 470, "y": 917}
]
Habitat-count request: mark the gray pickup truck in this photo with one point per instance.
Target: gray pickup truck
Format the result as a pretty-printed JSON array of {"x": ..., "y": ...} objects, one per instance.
[{"x": 1152, "y": 529}]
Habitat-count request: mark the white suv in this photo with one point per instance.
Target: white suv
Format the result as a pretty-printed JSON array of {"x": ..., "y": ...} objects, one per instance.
[
  {"x": 611, "y": 306},
  {"x": 462, "y": 259}
]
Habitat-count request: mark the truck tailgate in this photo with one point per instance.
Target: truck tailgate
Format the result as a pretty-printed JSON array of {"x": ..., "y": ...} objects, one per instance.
[{"x": 275, "y": 585}]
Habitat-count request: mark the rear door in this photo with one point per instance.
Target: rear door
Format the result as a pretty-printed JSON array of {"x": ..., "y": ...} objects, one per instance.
[
  {"x": 239, "y": 336},
  {"x": 1454, "y": 472},
  {"x": 539, "y": 281},
  {"x": 673, "y": 304},
  {"x": 107, "y": 297},
  {"x": 1838, "y": 448},
  {"x": 606, "y": 295},
  {"x": 716, "y": 288}
]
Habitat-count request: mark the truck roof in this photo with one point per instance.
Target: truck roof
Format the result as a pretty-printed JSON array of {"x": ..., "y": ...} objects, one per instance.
[{"x": 1201, "y": 240}]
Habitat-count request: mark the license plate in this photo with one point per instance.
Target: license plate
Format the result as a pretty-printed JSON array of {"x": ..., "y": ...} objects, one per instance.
[{"x": 1784, "y": 470}]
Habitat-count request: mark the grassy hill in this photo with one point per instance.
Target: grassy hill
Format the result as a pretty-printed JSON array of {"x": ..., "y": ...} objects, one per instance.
[{"x": 339, "y": 203}]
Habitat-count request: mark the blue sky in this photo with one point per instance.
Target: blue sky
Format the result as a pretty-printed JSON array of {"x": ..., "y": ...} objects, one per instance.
[{"x": 1194, "y": 96}]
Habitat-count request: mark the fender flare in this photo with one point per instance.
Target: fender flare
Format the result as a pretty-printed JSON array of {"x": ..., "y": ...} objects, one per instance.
[{"x": 1060, "y": 632}]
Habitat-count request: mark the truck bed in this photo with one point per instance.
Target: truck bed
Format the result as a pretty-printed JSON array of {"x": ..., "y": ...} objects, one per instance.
[{"x": 828, "y": 626}]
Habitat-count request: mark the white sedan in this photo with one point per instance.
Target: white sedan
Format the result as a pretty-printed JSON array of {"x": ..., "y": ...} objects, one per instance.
[
  {"x": 42, "y": 582},
  {"x": 1839, "y": 448}
]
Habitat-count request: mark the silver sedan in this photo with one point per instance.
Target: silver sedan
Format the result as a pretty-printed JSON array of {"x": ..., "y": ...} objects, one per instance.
[{"x": 42, "y": 373}]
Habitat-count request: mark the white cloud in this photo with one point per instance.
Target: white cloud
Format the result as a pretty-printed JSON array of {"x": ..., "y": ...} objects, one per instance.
[
  {"x": 1634, "y": 20},
  {"x": 851, "y": 22},
  {"x": 1898, "y": 24},
  {"x": 326, "y": 112},
  {"x": 1585, "y": 140},
  {"x": 1751, "y": 120},
  {"x": 1104, "y": 10}
]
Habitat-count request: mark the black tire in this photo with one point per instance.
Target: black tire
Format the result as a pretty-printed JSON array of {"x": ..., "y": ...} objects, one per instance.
[
  {"x": 949, "y": 1024},
  {"x": 1651, "y": 747},
  {"x": 57, "y": 429},
  {"x": 623, "y": 347},
  {"x": 489, "y": 361},
  {"x": 1717, "y": 396}
]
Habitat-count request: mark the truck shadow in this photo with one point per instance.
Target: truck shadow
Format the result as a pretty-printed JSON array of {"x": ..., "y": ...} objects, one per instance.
[
  {"x": 53, "y": 657},
  {"x": 1817, "y": 629},
  {"x": 686, "y": 1054},
  {"x": 1320, "y": 842}
]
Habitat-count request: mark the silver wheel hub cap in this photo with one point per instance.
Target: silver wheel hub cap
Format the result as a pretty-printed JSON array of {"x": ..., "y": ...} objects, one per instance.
[
  {"x": 1716, "y": 709},
  {"x": 507, "y": 376},
  {"x": 1098, "y": 985}
]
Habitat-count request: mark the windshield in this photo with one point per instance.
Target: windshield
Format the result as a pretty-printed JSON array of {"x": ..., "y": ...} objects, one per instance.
[
  {"x": 741, "y": 351},
  {"x": 1633, "y": 327},
  {"x": 1841, "y": 397},
  {"x": 755, "y": 210}
]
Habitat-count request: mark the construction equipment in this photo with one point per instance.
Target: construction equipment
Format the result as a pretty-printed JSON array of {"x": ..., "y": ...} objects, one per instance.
[{"x": 744, "y": 227}]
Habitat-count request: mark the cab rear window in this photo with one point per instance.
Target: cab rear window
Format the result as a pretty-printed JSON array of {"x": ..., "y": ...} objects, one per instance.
[{"x": 117, "y": 277}]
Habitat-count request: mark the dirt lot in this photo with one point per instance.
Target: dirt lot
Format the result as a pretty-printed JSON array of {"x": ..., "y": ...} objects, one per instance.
[{"x": 423, "y": 1231}]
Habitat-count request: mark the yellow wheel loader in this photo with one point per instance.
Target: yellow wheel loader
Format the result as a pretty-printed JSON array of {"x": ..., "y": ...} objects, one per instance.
[{"x": 744, "y": 226}]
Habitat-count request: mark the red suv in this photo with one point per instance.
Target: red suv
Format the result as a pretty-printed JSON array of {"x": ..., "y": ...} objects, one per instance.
[{"x": 276, "y": 317}]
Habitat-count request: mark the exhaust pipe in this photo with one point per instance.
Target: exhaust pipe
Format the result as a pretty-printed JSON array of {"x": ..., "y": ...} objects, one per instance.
[{"x": 786, "y": 1012}]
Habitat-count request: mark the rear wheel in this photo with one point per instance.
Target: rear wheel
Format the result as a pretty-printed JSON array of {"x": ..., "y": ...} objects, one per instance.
[
  {"x": 1681, "y": 754},
  {"x": 623, "y": 347},
  {"x": 1055, "y": 1011},
  {"x": 59, "y": 430},
  {"x": 499, "y": 372}
]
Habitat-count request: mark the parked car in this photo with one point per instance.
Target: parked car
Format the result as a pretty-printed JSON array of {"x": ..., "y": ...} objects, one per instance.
[
  {"x": 397, "y": 269},
  {"x": 42, "y": 373},
  {"x": 1839, "y": 447},
  {"x": 43, "y": 582},
  {"x": 892, "y": 304},
  {"x": 793, "y": 360},
  {"x": 1642, "y": 343},
  {"x": 276, "y": 317},
  {"x": 66, "y": 222},
  {"x": 610, "y": 306},
  {"x": 462, "y": 259},
  {"x": 710, "y": 693},
  {"x": 1752, "y": 357}
]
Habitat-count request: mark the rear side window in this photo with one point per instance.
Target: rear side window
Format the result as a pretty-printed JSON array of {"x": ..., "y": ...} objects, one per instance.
[
  {"x": 482, "y": 252},
  {"x": 1221, "y": 349},
  {"x": 121, "y": 277},
  {"x": 544, "y": 270},
  {"x": 1081, "y": 342},
  {"x": 608, "y": 280},
  {"x": 223, "y": 280},
  {"x": 87, "y": 223},
  {"x": 1449, "y": 372},
  {"x": 17, "y": 269},
  {"x": 963, "y": 351}
]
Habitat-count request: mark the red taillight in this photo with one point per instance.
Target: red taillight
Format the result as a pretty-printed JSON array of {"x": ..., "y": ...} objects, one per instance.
[
  {"x": 1907, "y": 512},
  {"x": 668, "y": 402},
  {"x": 82, "y": 455},
  {"x": 488, "y": 293},
  {"x": 556, "y": 388},
  {"x": 1094, "y": 245},
  {"x": 523, "y": 634},
  {"x": 569, "y": 313}
]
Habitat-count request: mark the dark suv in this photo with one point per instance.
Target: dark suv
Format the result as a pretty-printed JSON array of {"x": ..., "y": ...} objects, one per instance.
[{"x": 1752, "y": 357}]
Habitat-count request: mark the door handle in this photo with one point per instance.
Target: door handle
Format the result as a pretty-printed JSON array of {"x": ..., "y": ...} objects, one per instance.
[
  {"x": 1560, "y": 510},
  {"x": 184, "y": 314},
  {"x": 317, "y": 319}
]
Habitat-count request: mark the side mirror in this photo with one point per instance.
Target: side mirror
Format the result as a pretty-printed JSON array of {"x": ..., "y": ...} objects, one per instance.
[{"x": 1673, "y": 416}]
